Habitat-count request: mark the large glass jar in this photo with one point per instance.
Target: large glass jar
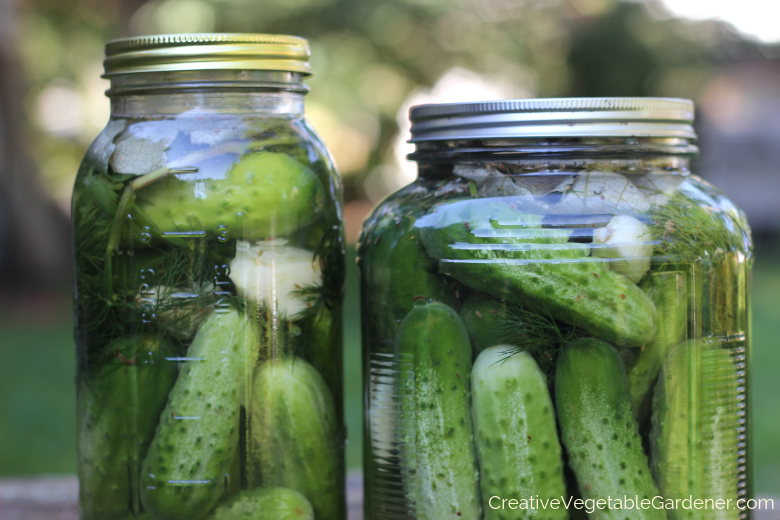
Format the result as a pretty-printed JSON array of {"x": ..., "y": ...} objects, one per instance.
[
  {"x": 209, "y": 265},
  {"x": 555, "y": 320}
]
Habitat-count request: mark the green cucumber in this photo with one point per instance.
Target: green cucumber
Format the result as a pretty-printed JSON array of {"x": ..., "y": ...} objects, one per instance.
[
  {"x": 437, "y": 436},
  {"x": 187, "y": 469},
  {"x": 118, "y": 410},
  {"x": 267, "y": 504},
  {"x": 668, "y": 292},
  {"x": 517, "y": 440},
  {"x": 485, "y": 319},
  {"x": 295, "y": 434},
  {"x": 321, "y": 334},
  {"x": 397, "y": 270},
  {"x": 599, "y": 430},
  {"x": 264, "y": 194},
  {"x": 670, "y": 454},
  {"x": 719, "y": 421},
  {"x": 694, "y": 449},
  {"x": 489, "y": 246}
]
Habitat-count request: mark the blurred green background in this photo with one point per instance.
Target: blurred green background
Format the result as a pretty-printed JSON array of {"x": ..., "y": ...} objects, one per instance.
[{"x": 372, "y": 60}]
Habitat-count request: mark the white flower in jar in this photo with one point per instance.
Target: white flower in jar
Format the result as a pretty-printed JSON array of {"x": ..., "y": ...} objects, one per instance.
[{"x": 273, "y": 273}]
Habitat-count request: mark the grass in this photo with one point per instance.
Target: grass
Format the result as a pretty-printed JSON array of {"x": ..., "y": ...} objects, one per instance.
[
  {"x": 37, "y": 393},
  {"x": 765, "y": 367},
  {"x": 37, "y": 397}
]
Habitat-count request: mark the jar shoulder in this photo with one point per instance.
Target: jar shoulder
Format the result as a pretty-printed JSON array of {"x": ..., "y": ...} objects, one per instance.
[
  {"x": 136, "y": 146},
  {"x": 675, "y": 206},
  {"x": 271, "y": 175}
]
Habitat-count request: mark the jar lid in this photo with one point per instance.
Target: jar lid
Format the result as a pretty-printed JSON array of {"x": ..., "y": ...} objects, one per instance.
[
  {"x": 554, "y": 117},
  {"x": 179, "y": 52}
]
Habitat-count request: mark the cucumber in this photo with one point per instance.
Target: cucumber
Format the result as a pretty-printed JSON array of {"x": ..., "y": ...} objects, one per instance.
[
  {"x": 720, "y": 415},
  {"x": 262, "y": 195},
  {"x": 517, "y": 441},
  {"x": 489, "y": 246},
  {"x": 670, "y": 455},
  {"x": 295, "y": 435},
  {"x": 694, "y": 444},
  {"x": 267, "y": 504},
  {"x": 668, "y": 292},
  {"x": 437, "y": 436},
  {"x": 118, "y": 410},
  {"x": 396, "y": 269},
  {"x": 188, "y": 465},
  {"x": 321, "y": 334},
  {"x": 599, "y": 430},
  {"x": 485, "y": 319}
]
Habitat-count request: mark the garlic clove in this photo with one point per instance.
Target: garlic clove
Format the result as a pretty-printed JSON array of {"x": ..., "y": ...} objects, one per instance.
[
  {"x": 624, "y": 241},
  {"x": 271, "y": 272}
]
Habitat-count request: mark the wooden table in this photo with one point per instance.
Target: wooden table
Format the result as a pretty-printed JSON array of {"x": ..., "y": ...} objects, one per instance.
[{"x": 56, "y": 498}]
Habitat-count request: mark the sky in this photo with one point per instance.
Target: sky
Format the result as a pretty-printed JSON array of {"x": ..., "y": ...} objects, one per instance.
[{"x": 757, "y": 18}]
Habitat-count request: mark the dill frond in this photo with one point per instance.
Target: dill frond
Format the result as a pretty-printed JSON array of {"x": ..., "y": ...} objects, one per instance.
[
  {"x": 537, "y": 334},
  {"x": 685, "y": 229}
]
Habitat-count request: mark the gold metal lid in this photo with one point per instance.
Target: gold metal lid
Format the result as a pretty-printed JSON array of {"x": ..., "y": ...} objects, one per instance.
[{"x": 225, "y": 51}]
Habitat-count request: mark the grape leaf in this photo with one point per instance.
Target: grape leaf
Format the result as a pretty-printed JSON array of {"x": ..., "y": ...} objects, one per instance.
[
  {"x": 599, "y": 192},
  {"x": 658, "y": 187},
  {"x": 453, "y": 187},
  {"x": 142, "y": 148},
  {"x": 490, "y": 181},
  {"x": 219, "y": 130},
  {"x": 104, "y": 143}
]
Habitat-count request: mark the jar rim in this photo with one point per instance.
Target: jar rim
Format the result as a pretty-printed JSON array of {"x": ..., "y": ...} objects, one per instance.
[{"x": 554, "y": 117}]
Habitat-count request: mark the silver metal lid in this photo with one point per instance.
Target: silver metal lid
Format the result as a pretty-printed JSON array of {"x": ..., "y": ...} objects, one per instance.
[{"x": 554, "y": 117}]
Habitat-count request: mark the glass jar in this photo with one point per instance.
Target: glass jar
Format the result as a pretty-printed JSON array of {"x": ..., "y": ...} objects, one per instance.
[
  {"x": 209, "y": 267},
  {"x": 555, "y": 320}
]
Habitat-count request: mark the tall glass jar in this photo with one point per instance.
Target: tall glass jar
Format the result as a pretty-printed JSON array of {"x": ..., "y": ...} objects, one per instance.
[
  {"x": 209, "y": 265},
  {"x": 556, "y": 320}
]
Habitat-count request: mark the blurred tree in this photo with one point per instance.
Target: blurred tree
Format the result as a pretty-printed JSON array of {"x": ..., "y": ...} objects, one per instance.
[
  {"x": 369, "y": 57},
  {"x": 34, "y": 243},
  {"x": 607, "y": 58}
]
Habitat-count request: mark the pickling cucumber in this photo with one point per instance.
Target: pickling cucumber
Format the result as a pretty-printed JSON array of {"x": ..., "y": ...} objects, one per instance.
[
  {"x": 264, "y": 194},
  {"x": 321, "y": 333},
  {"x": 599, "y": 430},
  {"x": 720, "y": 414},
  {"x": 517, "y": 441},
  {"x": 668, "y": 292},
  {"x": 489, "y": 246},
  {"x": 694, "y": 439},
  {"x": 396, "y": 268},
  {"x": 436, "y": 432},
  {"x": 267, "y": 504},
  {"x": 485, "y": 319},
  {"x": 118, "y": 410},
  {"x": 188, "y": 465},
  {"x": 295, "y": 434},
  {"x": 670, "y": 454}
]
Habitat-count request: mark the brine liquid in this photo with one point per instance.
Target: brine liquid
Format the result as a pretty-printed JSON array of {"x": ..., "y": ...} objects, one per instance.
[
  {"x": 144, "y": 291},
  {"x": 715, "y": 405}
]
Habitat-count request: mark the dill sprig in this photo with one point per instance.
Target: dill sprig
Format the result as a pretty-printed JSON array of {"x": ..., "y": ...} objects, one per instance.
[
  {"x": 700, "y": 229},
  {"x": 312, "y": 295},
  {"x": 115, "y": 295},
  {"x": 686, "y": 229},
  {"x": 537, "y": 334}
]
